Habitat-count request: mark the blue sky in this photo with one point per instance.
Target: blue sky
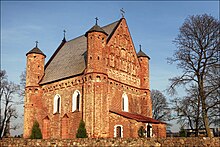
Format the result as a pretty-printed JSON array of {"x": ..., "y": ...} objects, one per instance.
[{"x": 154, "y": 25}]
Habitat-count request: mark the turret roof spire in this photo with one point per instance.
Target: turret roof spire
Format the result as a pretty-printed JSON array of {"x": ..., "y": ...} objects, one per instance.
[
  {"x": 95, "y": 28},
  {"x": 142, "y": 54},
  {"x": 64, "y": 36},
  {"x": 36, "y": 50}
]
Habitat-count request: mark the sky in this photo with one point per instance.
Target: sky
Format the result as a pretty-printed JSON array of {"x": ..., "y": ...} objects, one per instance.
[{"x": 153, "y": 24}]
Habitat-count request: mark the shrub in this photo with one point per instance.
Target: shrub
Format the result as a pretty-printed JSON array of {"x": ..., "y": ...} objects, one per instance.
[
  {"x": 81, "y": 132},
  {"x": 36, "y": 132},
  {"x": 182, "y": 132}
]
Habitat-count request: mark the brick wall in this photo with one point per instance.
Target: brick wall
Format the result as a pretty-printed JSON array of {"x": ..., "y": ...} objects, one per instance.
[
  {"x": 180, "y": 142},
  {"x": 112, "y": 69}
]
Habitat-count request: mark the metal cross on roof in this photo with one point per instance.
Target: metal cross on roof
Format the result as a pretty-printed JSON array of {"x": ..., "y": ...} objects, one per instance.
[
  {"x": 122, "y": 12},
  {"x": 36, "y": 43},
  {"x": 96, "y": 20}
]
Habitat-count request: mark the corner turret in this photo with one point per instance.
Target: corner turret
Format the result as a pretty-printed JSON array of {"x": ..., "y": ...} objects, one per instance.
[
  {"x": 144, "y": 73},
  {"x": 145, "y": 83},
  {"x": 96, "y": 41},
  {"x": 35, "y": 66},
  {"x": 96, "y": 110},
  {"x": 33, "y": 92}
]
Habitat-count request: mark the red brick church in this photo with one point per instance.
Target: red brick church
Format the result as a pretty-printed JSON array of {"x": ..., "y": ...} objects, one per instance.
[{"x": 97, "y": 77}]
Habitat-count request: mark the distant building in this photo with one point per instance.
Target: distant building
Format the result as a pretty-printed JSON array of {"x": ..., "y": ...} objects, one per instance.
[{"x": 97, "y": 77}]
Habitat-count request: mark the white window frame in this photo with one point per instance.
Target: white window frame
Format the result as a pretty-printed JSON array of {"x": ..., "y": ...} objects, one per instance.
[
  {"x": 125, "y": 102},
  {"x": 74, "y": 100},
  {"x": 115, "y": 130},
  {"x": 55, "y": 101},
  {"x": 151, "y": 130}
]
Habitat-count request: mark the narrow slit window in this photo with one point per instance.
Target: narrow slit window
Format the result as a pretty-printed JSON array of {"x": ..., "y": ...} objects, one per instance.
[{"x": 125, "y": 102}]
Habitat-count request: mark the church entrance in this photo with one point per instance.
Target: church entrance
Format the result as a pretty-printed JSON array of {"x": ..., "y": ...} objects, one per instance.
[{"x": 118, "y": 132}]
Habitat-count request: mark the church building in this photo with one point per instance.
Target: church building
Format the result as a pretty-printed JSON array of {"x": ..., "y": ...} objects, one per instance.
[{"x": 97, "y": 77}]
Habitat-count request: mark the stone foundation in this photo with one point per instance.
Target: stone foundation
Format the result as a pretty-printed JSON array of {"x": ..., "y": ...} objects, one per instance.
[{"x": 180, "y": 142}]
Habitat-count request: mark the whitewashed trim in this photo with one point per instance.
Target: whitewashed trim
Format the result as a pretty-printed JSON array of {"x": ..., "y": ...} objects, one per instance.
[
  {"x": 115, "y": 130},
  {"x": 74, "y": 100},
  {"x": 55, "y": 101},
  {"x": 125, "y": 101},
  {"x": 151, "y": 130}
]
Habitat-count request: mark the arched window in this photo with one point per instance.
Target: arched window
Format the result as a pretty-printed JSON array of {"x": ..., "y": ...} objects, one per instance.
[
  {"x": 118, "y": 131},
  {"x": 149, "y": 130},
  {"x": 125, "y": 102},
  {"x": 57, "y": 104},
  {"x": 76, "y": 101}
]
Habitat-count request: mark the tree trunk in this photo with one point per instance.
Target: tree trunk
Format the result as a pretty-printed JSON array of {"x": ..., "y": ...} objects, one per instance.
[
  {"x": 204, "y": 112},
  {"x": 205, "y": 119},
  {"x": 197, "y": 118}
]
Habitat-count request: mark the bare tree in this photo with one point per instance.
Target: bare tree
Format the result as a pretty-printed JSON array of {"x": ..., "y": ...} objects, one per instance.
[
  {"x": 22, "y": 84},
  {"x": 160, "y": 108},
  {"x": 189, "y": 110},
  {"x": 198, "y": 57},
  {"x": 7, "y": 92}
]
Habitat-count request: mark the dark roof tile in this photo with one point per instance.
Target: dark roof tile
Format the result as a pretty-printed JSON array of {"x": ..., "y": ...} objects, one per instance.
[
  {"x": 95, "y": 28},
  {"x": 36, "y": 50},
  {"x": 142, "y": 54},
  {"x": 70, "y": 58}
]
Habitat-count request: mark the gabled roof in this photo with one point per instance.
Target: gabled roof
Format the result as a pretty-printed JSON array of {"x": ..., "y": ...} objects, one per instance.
[
  {"x": 36, "y": 50},
  {"x": 137, "y": 117},
  {"x": 70, "y": 58}
]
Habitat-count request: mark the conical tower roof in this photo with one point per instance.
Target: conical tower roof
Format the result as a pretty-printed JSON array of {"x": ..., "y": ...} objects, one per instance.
[
  {"x": 95, "y": 28},
  {"x": 142, "y": 54},
  {"x": 36, "y": 50}
]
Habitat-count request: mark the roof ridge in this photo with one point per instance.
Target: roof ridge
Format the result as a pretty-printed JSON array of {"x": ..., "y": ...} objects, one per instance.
[
  {"x": 54, "y": 54},
  {"x": 110, "y": 23},
  {"x": 76, "y": 38},
  {"x": 116, "y": 26}
]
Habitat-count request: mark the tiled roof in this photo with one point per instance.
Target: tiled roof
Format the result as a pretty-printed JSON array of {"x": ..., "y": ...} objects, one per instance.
[
  {"x": 70, "y": 58},
  {"x": 137, "y": 117},
  {"x": 142, "y": 54},
  {"x": 36, "y": 50},
  {"x": 95, "y": 28}
]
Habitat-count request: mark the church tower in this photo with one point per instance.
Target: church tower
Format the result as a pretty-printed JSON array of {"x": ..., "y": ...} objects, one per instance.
[
  {"x": 33, "y": 93},
  {"x": 96, "y": 108},
  {"x": 145, "y": 83}
]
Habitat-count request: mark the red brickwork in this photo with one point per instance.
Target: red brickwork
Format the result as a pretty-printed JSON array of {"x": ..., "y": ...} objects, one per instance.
[
  {"x": 34, "y": 73},
  {"x": 159, "y": 130},
  {"x": 112, "y": 69}
]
